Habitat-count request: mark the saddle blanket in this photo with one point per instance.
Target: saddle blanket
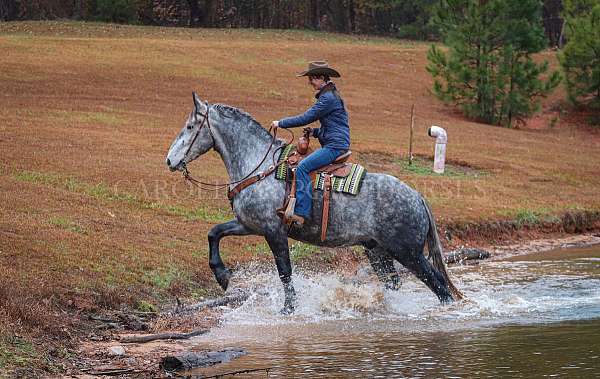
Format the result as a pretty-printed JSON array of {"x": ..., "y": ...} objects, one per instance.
[{"x": 349, "y": 184}]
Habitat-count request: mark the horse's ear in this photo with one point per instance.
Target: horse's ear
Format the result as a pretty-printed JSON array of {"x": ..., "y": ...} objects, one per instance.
[
  {"x": 197, "y": 102},
  {"x": 199, "y": 105}
]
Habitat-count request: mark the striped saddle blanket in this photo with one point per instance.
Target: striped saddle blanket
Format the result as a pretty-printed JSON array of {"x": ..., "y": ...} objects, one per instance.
[{"x": 349, "y": 184}]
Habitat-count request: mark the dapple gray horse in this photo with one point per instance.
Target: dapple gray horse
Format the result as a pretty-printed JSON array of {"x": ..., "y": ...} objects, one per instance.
[{"x": 390, "y": 219}]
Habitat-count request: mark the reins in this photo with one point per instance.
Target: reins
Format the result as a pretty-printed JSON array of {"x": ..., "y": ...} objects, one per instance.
[{"x": 198, "y": 183}]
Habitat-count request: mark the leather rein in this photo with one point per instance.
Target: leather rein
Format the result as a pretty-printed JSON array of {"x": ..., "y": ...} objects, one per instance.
[{"x": 240, "y": 184}]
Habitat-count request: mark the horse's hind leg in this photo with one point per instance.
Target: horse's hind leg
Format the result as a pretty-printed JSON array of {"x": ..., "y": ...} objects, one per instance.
[
  {"x": 383, "y": 265},
  {"x": 230, "y": 228},
  {"x": 422, "y": 268},
  {"x": 278, "y": 243}
]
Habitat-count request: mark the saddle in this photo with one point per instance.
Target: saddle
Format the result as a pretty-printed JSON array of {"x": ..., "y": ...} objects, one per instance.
[{"x": 339, "y": 168}]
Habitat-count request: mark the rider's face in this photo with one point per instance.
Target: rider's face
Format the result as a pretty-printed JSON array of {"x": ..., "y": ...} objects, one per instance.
[{"x": 316, "y": 82}]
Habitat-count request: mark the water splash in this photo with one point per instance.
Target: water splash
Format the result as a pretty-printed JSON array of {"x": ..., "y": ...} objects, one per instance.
[{"x": 515, "y": 292}]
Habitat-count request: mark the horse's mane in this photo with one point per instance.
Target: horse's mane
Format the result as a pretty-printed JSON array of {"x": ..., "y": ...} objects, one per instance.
[{"x": 239, "y": 115}]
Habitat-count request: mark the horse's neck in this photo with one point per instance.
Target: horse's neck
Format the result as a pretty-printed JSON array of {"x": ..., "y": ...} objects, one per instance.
[{"x": 242, "y": 146}]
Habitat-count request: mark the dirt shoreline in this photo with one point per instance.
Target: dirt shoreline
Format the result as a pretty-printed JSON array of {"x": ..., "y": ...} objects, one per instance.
[
  {"x": 545, "y": 245},
  {"x": 143, "y": 359}
]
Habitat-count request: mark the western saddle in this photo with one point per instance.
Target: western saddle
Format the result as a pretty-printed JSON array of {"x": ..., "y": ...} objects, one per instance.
[{"x": 339, "y": 168}]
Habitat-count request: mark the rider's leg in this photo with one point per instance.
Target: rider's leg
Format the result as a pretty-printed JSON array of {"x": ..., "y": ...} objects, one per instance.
[{"x": 319, "y": 158}]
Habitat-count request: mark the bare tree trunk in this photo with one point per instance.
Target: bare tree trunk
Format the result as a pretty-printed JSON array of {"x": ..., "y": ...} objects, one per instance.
[
  {"x": 314, "y": 13},
  {"x": 561, "y": 38},
  {"x": 195, "y": 13},
  {"x": 5, "y": 10},
  {"x": 351, "y": 16}
]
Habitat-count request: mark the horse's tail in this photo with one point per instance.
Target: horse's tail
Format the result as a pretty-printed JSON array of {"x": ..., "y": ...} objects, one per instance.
[{"x": 435, "y": 253}]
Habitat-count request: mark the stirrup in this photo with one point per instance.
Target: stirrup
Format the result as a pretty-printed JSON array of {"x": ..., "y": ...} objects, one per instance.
[{"x": 295, "y": 219}]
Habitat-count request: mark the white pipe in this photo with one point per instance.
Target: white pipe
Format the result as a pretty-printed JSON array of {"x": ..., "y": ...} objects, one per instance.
[{"x": 441, "y": 139}]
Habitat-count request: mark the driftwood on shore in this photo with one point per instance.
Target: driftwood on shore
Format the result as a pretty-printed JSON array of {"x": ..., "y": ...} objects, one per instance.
[
  {"x": 111, "y": 371},
  {"x": 232, "y": 298},
  {"x": 191, "y": 359},
  {"x": 232, "y": 373},
  {"x": 466, "y": 254},
  {"x": 162, "y": 336}
]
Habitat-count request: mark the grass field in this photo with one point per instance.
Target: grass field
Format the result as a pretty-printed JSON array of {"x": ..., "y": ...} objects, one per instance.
[{"x": 91, "y": 218}]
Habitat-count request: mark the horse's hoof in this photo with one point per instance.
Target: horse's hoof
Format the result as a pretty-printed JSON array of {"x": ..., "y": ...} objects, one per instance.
[
  {"x": 223, "y": 279},
  {"x": 446, "y": 300},
  {"x": 287, "y": 310},
  {"x": 393, "y": 284}
]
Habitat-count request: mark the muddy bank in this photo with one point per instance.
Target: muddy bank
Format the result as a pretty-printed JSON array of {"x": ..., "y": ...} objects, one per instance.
[
  {"x": 142, "y": 359},
  {"x": 527, "y": 227},
  {"x": 545, "y": 245}
]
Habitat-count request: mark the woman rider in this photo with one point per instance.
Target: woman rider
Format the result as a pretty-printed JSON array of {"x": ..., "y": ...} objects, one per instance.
[{"x": 333, "y": 135}]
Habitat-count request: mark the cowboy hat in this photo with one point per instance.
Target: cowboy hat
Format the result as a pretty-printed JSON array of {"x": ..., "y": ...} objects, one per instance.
[{"x": 320, "y": 68}]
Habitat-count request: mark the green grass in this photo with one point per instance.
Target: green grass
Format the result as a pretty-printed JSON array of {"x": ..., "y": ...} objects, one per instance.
[
  {"x": 103, "y": 192},
  {"x": 17, "y": 352},
  {"x": 21, "y": 358},
  {"x": 202, "y": 213},
  {"x": 300, "y": 250},
  {"x": 36, "y": 177},
  {"x": 165, "y": 278},
  {"x": 259, "y": 249},
  {"x": 67, "y": 224},
  {"x": 145, "y": 306},
  {"x": 200, "y": 254},
  {"x": 527, "y": 217},
  {"x": 424, "y": 167}
]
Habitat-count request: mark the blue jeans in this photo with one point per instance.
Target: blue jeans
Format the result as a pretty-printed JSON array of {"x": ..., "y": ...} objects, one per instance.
[{"x": 319, "y": 158}]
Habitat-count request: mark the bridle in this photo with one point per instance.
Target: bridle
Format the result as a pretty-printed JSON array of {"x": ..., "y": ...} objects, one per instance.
[{"x": 214, "y": 186}]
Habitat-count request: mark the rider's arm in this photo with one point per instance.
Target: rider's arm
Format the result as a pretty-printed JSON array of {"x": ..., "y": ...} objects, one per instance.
[{"x": 322, "y": 107}]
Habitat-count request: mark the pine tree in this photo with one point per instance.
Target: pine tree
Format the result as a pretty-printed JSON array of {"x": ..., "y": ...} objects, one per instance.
[
  {"x": 580, "y": 58},
  {"x": 488, "y": 71}
]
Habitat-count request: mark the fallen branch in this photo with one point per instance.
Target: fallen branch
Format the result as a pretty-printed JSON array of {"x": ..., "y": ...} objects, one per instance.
[
  {"x": 231, "y": 373},
  {"x": 161, "y": 336},
  {"x": 113, "y": 371},
  {"x": 466, "y": 254},
  {"x": 190, "y": 359},
  {"x": 233, "y": 298}
]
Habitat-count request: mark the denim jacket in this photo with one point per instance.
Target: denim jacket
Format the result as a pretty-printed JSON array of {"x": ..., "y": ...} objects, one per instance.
[{"x": 330, "y": 111}]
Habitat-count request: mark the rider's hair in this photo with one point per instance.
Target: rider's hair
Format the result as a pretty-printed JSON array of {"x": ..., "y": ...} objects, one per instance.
[{"x": 326, "y": 78}]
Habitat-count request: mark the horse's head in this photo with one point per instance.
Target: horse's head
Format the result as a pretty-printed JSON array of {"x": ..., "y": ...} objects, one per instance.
[{"x": 194, "y": 139}]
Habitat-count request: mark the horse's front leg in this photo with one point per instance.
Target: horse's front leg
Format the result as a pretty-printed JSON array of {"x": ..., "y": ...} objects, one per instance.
[
  {"x": 279, "y": 246},
  {"x": 230, "y": 228}
]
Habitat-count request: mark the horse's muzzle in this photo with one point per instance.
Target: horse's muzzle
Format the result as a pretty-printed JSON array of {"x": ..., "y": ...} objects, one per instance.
[{"x": 171, "y": 168}]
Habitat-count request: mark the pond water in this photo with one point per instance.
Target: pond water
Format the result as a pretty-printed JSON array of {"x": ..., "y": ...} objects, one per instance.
[{"x": 535, "y": 315}]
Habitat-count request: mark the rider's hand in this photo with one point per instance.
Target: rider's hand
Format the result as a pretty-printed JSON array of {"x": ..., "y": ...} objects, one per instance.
[{"x": 274, "y": 124}]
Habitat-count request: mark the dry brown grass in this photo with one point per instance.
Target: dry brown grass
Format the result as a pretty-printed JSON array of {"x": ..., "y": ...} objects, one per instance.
[{"x": 90, "y": 215}]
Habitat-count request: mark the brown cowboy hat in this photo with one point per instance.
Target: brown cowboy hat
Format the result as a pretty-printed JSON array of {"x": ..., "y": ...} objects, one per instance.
[{"x": 320, "y": 68}]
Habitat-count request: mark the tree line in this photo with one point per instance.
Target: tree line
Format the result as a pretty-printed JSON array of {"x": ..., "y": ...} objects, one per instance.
[{"x": 399, "y": 18}]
